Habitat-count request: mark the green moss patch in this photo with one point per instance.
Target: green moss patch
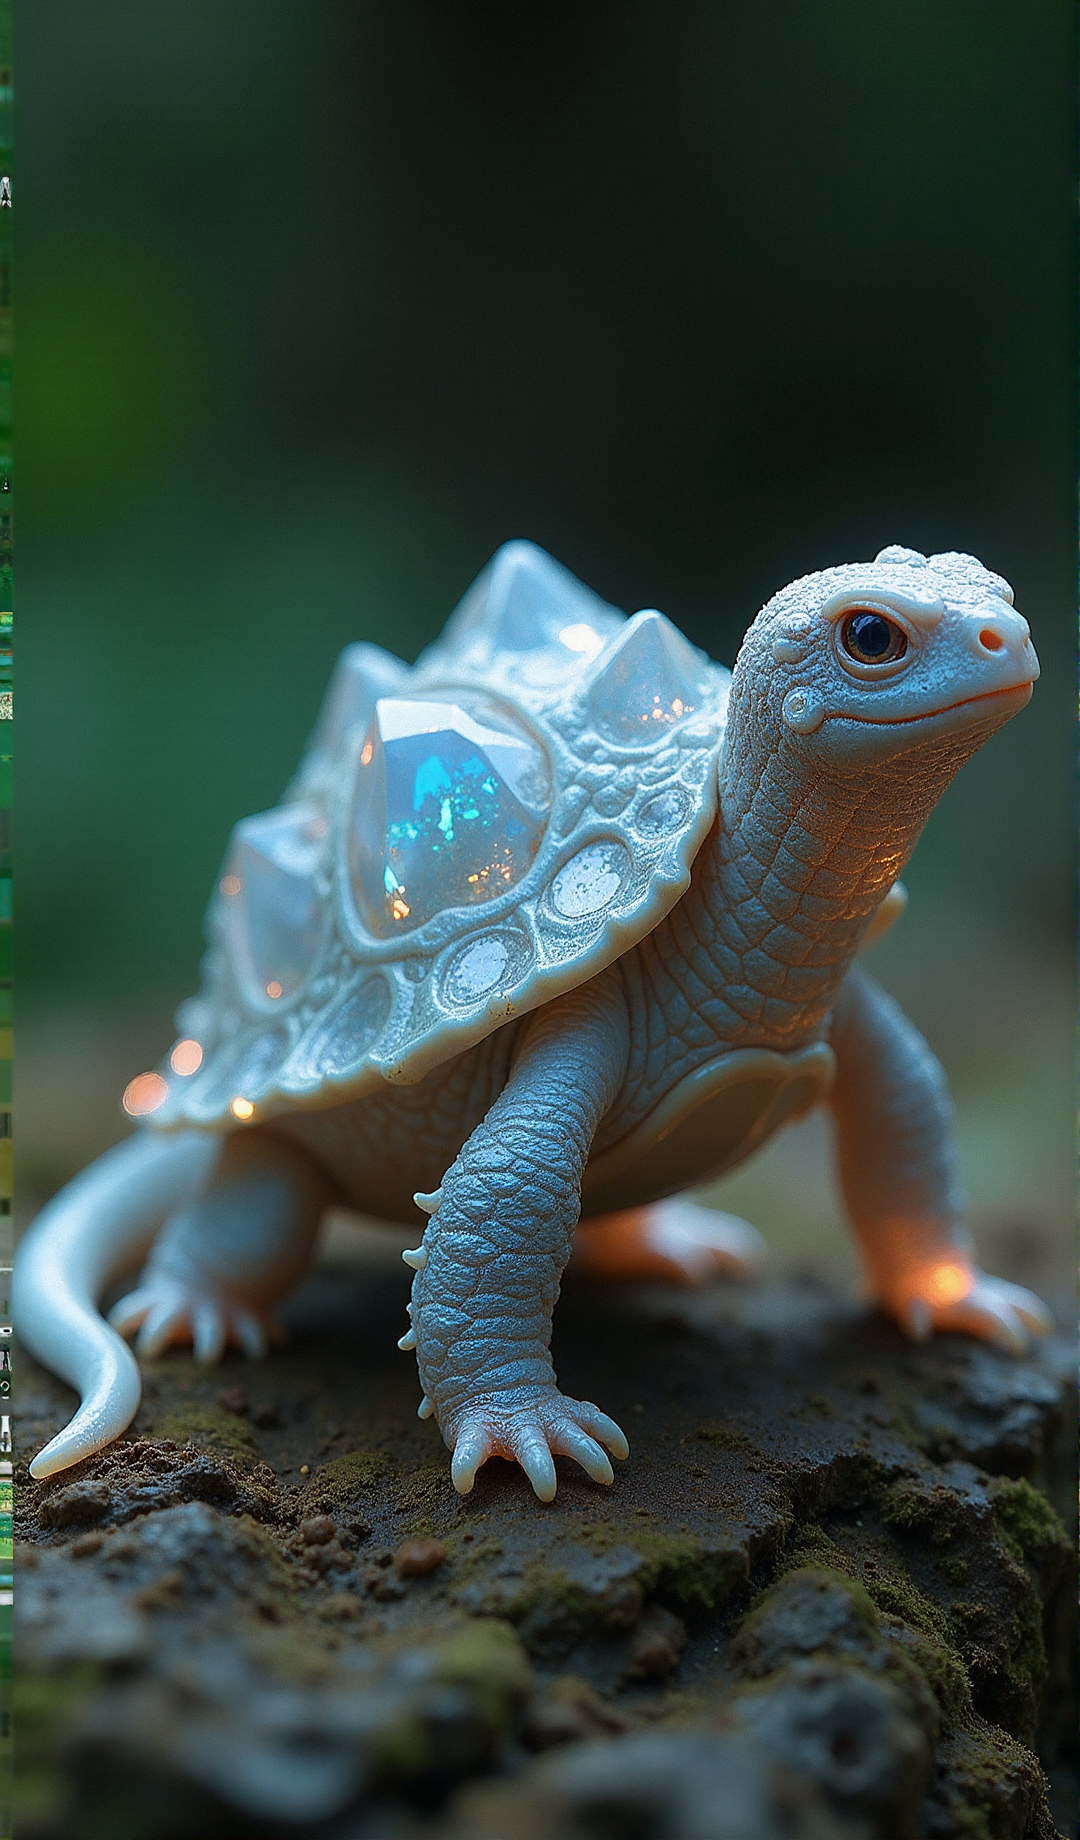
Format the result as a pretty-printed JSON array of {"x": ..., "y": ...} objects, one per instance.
[
  {"x": 213, "y": 1430},
  {"x": 936, "y": 1514},
  {"x": 688, "y": 1571},
  {"x": 488, "y": 1661},
  {"x": 921, "y": 1629},
  {"x": 1026, "y": 1524},
  {"x": 489, "y": 1658},
  {"x": 347, "y": 1480},
  {"x": 715, "y": 1431}
]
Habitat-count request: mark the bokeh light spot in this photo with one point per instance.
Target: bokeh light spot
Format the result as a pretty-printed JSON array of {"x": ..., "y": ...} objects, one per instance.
[
  {"x": 144, "y": 1094},
  {"x": 186, "y": 1058},
  {"x": 948, "y": 1284},
  {"x": 581, "y": 638}
]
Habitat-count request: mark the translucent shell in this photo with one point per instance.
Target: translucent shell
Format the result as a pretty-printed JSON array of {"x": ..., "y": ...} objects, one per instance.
[
  {"x": 527, "y": 615},
  {"x": 362, "y": 674},
  {"x": 463, "y": 841},
  {"x": 269, "y": 882},
  {"x": 648, "y": 680},
  {"x": 448, "y": 811}
]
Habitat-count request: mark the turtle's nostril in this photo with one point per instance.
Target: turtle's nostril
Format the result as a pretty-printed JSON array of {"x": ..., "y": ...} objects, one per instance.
[{"x": 990, "y": 640}]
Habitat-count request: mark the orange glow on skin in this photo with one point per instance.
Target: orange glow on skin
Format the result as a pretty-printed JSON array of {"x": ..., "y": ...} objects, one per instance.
[
  {"x": 186, "y": 1057},
  {"x": 948, "y": 1284},
  {"x": 273, "y": 989},
  {"x": 366, "y": 755},
  {"x": 242, "y": 1109},
  {"x": 230, "y": 885},
  {"x": 144, "y": 1094}
]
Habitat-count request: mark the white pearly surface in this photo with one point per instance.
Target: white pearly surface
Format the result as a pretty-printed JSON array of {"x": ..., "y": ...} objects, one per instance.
[{"x": 499, "y": 823}]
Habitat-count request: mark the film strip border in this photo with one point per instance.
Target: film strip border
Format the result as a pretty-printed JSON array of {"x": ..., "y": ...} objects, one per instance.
[{"x": 7, "y": 711}]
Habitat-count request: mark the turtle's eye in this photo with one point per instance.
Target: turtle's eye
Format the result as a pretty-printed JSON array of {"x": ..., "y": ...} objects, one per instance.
[{"x": 872, "y": 639}]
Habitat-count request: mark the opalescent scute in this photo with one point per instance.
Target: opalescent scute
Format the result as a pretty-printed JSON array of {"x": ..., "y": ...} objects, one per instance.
[
  {"x": 270, "y": 878},
  {"x": 450, "y": 807}
]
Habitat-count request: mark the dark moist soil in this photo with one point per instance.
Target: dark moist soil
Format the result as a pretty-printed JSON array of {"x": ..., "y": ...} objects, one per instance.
[{"x": 826, "y": 1597}]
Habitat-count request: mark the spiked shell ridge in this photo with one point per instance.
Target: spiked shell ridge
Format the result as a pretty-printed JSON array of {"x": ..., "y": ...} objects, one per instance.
[{"x": 464, "y": 840}]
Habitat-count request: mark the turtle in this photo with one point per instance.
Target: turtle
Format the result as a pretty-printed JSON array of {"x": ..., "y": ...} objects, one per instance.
[{"x": 553, "y": 926}]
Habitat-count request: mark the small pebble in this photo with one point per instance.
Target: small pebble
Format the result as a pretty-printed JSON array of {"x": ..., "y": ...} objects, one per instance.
[
  {"x": 317, "y": 1531},
  {"x": 657, "y": 1645},
  {"x": 305, "y": 1469},
  {"x": 418, "y": 1557},
  {"x": 467, "y": 1536},
  {"x": 86, "y": 1544}
]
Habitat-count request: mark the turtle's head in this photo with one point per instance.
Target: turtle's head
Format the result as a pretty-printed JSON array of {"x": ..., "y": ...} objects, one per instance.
[{"x": 869, "y": 661}]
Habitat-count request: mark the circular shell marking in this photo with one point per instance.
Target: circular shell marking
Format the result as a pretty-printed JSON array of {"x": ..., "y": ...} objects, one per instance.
[{"x": 463, "y": 841}]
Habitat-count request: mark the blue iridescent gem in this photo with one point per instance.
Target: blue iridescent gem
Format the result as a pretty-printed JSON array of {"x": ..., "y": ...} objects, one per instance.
[{"x": 450, "y": 806}]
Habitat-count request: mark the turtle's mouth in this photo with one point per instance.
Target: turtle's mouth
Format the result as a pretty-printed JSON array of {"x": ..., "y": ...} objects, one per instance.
[{"x": 1005, "y": 702}]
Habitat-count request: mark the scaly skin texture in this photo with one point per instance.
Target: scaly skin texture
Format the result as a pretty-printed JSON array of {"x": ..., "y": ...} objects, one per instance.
[
  {"x": 830, "y": 767},
  {"x": 496, "y": 1246}
]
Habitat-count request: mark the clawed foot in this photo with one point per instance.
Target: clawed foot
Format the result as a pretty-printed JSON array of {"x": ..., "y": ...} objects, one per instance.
[
  {"x": 165, "y": 1310},
  {"x": 674, "y": 1241},
  {"x": 971, "y": 1302},
  {"x": 532, "y": 1431}
]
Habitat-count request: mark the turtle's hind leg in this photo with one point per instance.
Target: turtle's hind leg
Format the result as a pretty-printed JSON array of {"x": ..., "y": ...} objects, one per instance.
[
  {"x": 898, "y": 1170},
  {"x": 228, "y": 1256},
  {"x": 673, "y": 1242}
]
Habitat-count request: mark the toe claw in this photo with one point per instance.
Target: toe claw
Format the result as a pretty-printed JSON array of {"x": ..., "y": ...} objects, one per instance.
[
  {"x": 129, "y": 1313},
  {"x": 208, "y": 1334},
  {"x": 604, "y": 1429},
  {"x": 1002, "y": 1324},
  {"x": 1031, "y": 1309},
  {"x": 999, "y": 1312},
  {"x": 535, "y": 1458},
  {"x": 251, "y": 1335},
  {"x": 572, "y": 1442},
  {"x": 470, "y": 1452},
  {"x": 158, "y": 1329}
]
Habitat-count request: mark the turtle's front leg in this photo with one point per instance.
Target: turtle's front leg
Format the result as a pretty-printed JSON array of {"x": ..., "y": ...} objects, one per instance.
[
  {"x": 500, "y": 1234},
  {"x": 897, "y": 1157}
]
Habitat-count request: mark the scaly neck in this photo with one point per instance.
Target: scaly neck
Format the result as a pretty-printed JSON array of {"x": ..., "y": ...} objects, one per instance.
[{"x": 803, "y": 853}]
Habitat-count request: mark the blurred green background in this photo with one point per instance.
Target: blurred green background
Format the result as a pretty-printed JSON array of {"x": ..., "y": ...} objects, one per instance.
[{"x": 317, "y": 303}]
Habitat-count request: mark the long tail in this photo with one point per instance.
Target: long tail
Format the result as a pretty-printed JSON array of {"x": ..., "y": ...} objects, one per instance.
[{"x": 98, "y": 1225}]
